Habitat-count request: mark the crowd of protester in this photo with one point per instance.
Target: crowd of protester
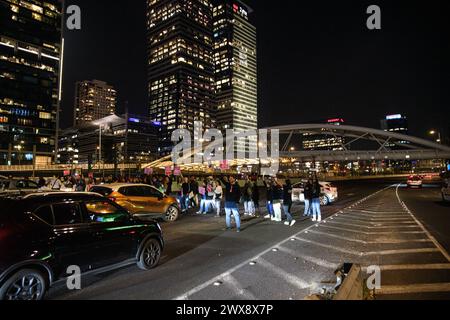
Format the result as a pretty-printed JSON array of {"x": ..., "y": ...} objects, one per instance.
[{"x": 213, "y": 194}]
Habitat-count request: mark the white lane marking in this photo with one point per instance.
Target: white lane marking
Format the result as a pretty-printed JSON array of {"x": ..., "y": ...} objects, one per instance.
[
  {"x": 369, "y": 253},
  {"x": 317, "y": 261},
  {"x": 401, "y": 251},
  {"x": 414, "y": 288},
  {"x": 289, "y": 278},
  {"x": 378, "y": 212},
  {"x": 327, "y": 246},
  {"x": 371, "y": 227},
  {"x": 386, "y": 241},
  {"x": 371, "y": 221},
  {"x": 206, "y": 284},
  {"x": 370, "y": 233},
  {"x": 433, "y": 266},
  {"x": 233, "y": 284},
  {"x": 374, "y": 216},
  {"x": 377, "y": 219},
  {"x": 338, "y": 237},
  {"x": 436, "y": 243}
]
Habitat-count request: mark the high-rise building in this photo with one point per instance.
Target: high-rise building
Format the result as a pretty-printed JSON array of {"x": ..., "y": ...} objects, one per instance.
[
  {"x": 93, "y": 100},
  {"x": 30, "y": 49},
  {"x": 314, "y": 141},
  {"x": 123, "y": 138},
  {"x": 235, "y": 66},
  {"x": 395, "y": 123},
  {"x": 180, "y": 64}
]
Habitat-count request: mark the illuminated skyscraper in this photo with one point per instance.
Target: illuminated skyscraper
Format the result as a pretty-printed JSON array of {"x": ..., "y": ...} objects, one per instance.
[
  {"x": 30, "y": 48},
  {"x": 93, "y": 100},
  {"x": 180, "y": 64},
  {"x": 235, "y": 66}
]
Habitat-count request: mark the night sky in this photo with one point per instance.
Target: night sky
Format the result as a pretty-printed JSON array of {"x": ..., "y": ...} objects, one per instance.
[{"x": 316, "y": 60}]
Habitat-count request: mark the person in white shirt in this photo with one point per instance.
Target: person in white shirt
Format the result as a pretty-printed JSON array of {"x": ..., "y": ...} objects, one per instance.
[{"x": 218, "y": 195}]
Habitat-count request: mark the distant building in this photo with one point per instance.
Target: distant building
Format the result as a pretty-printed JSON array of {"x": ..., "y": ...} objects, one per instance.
[
  {"x": 125, "y": 138},
  {"x": 93, "y": 100},
  {"x": 235, "y": 67},
  {"x": 30, "y": 50},
  {"x": 313, "y": 141},
  {"x": 180, "y": 65},
  {"x": 395, "y": 123}
]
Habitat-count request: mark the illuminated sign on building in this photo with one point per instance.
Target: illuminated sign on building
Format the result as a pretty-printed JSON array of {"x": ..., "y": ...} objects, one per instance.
[
  {"x": 394, "y": 117},
  {"x": 240, "y": 10},
  {"x": 337, "y": 120}
]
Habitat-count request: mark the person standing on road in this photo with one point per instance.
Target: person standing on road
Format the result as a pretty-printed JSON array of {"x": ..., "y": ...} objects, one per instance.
[
  {"x": 269, "y": 196},
  {"x": 277, "y": 193},
  {"x": 218, "y": 194},
  {"x": 247, "y": 196},
  {"x": 255, "y": 197},
  {"x": 287, "y": 203},
  {"x": 307, "y": 193},
  {"x": 185, "y": 191},
  {"x": 317, "y": 215},
  {"x": 232, "y": 198}
]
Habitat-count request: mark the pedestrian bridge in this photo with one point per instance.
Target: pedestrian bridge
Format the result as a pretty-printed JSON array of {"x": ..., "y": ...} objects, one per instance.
[{"x": 355, "y": 143}]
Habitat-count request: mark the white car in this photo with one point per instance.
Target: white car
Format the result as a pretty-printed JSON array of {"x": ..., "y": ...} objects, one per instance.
[
  {"x": 329, "y": 193},
  {"x": 414, "y": 182}
]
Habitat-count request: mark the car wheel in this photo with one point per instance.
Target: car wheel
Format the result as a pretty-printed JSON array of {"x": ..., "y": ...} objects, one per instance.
[
  {"x": 172, "y": 214},
  {"x": 150, "y": 255},
  {"x": 324, "y": 201},
  {"x": 27, "y": 284}
]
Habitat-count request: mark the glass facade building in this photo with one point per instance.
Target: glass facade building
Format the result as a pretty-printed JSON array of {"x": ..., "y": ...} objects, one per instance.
[
  {"x": 30, "y": 49},
  {"x": 235, "y": 66},
  {"x": 313, "y": 141},
  {"x": 180, "y": 65},
  {"x": 93, "y": 100},
  {"x": 395, "y": 123}
]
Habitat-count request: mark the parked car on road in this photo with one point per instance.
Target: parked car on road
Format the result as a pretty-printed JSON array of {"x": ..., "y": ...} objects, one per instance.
[
  {"x": 414, "y": 182},
  {"x": 328, "y": 196},
  {"x": 141, "y": 200},
  {"x": 41, "y": 235},
  {"x": 17, "y": 186}
]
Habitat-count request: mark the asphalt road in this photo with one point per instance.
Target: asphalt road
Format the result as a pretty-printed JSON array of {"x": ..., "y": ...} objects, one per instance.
[{"x": 272, "y": 261}]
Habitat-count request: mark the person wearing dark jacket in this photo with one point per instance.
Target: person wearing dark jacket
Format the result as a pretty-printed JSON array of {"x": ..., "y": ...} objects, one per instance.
[
  {"x": 185, "y": 191},
  {"x": 287, "y": 203},
  {"x": 232, "y": 198},
  {"x": 269, "y": 196},
  {"x": 277, "y": 194},
  {"x": 307, "y": 192},
  {"x": 317, "y": 215},
  {"x": 247, "y": 196},
  {"x": 255, "y": 196}
]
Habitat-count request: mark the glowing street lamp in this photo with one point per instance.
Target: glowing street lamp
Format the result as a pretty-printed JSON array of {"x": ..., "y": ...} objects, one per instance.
[{"x": 434, "y": 133}]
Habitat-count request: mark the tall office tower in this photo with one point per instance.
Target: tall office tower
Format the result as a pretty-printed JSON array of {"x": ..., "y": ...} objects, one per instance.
[
  {"x": 30, "y": 49},
  {"x": 314, "y": 141},
  {"x": 235, "y": 67},
  {"x": 395, "y": 123},
  {"x": 93, "y": 100},
  {"x": 180, "y": 65}
]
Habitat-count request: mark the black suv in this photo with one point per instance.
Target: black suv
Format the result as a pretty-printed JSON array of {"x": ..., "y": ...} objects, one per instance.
[{"x": 41, "y": 235}]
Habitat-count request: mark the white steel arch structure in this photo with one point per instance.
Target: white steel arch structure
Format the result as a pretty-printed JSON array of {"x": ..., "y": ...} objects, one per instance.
[{"x": 414, "y": 149}]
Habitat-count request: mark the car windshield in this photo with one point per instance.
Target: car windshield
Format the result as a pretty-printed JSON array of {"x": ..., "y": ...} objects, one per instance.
[{"x": 104, "y": 191}]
